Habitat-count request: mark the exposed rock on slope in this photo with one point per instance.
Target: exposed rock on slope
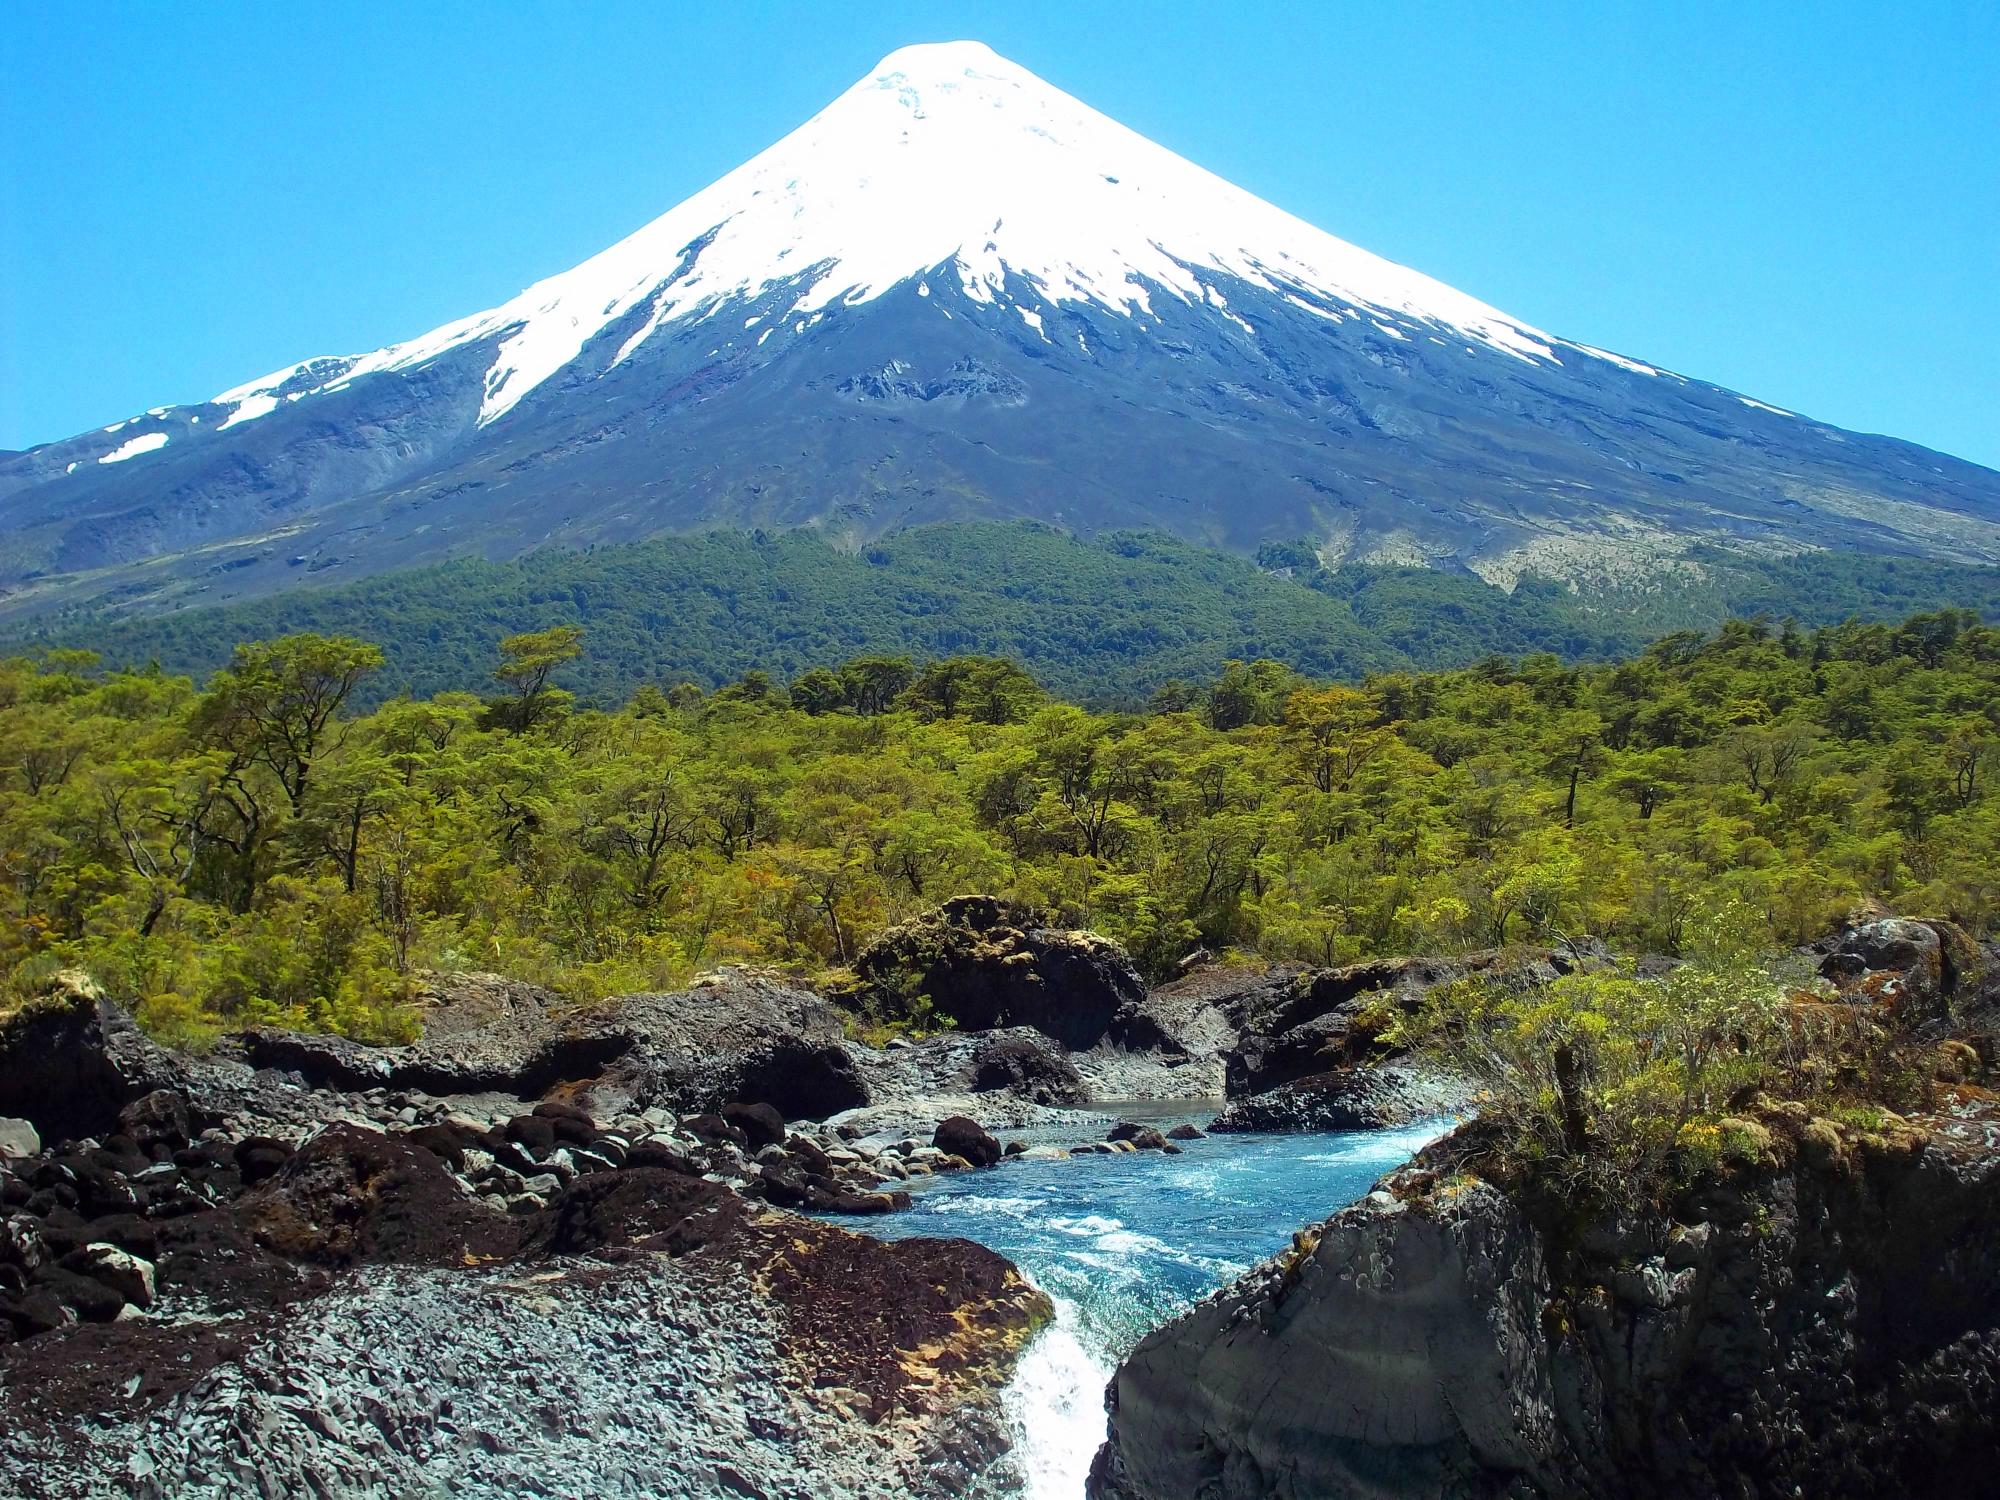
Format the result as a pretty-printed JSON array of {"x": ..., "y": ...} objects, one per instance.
[
  {"x": 547, "y": 1305},
  {"x": 1820, "y": 1315},
  {"x": 1824, "y": 1323},
  {"x": 731, "y": 1037},
  {"x": 69, "y": 1062},
  {"x": 983, "y": 962},
  {"x": 1303, "y": 1049},
  {"x": 1913, "y": 967},
  {"x": 1327, "y": 1019},
  {"x": 1361, "y": 1097}
]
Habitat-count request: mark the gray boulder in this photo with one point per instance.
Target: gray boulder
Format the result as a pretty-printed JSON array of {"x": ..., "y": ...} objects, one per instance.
[
  {"x": 1911, "y": 967},
  {"x": 18, "y": 1139}
]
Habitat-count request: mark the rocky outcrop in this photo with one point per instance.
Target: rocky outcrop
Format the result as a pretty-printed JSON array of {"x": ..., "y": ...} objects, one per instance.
[
  {"x": 732, "y": 1037},
  {"x": 69, "y": 1061},
  {"x": 1354, "y": 1098},
  {"x": 1823, "y": 1320},
  {"x": 983, "y": 963},
  {"x": 1008, "y": 1077},
  {"x": 333, "y": 1316},
  {"x": 1912, "y": 968},
  {"x": 1320, "y": 1021}
]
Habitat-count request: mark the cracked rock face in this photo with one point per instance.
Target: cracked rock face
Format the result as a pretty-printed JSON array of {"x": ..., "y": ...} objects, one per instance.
[
  {"x": 363, "y": 1323},
  {"x": 987, "y": 963},
  {"x": 248, "y": 1281},
  {"x": 1828, "y": 1325}
]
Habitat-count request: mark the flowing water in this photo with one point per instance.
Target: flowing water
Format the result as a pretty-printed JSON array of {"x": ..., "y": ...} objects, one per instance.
[{"x": 1121, "y": 1243}]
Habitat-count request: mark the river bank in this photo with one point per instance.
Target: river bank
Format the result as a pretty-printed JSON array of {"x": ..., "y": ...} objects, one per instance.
[{"x": 1121, "y": 1244}]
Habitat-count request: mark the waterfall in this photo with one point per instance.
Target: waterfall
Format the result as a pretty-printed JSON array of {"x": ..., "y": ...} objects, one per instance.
[{"x": 1055, "y": 1406}]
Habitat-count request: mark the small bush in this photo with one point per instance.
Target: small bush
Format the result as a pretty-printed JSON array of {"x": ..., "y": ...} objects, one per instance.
[{"x": 1611, "y": 1086}]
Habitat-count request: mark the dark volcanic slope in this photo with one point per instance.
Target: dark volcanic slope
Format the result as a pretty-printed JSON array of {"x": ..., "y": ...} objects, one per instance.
[{"x": 1077, "y": 367}]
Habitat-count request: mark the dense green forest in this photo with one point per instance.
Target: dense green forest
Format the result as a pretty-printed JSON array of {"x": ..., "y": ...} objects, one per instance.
[
  {"x": 1104, "y": 621},
  {"x": 257, "y": 848}
]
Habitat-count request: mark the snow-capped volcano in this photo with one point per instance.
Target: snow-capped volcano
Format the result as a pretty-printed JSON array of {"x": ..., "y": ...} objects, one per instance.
[
  {"x": 959, "y": 291},
  {"x": 946, "y": 156}
]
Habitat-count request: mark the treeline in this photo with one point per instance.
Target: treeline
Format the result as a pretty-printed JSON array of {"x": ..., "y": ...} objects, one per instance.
[
  {"x": 1102, "y": 621},
  {"x": 258, "y": 849}
]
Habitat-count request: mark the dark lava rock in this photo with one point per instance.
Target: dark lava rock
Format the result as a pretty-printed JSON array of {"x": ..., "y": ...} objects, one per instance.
[
  {"x": 659, "y": 1156},
  {"x": 322, "y": 1059},
  {"x": 93, "y": 1301},
  {"x": 809, "y": 1153},
  {"x": 714, "y": 1130},
  {"x": 70, "y": 1061},
  {"x": 986, "y": 963},
  {"x": 1830, "y": 1330},
  {"x": 448, "y": 1143},
  {"x": 350, "y": 1195},
  {"x": 1145, "y": 1137},
  {"x": 659, "y": 1210},
  {"x": 36, "y": 1310},
  {"x": 129, "y": 1232},
  {"x": 129, "y": 1275},
  {"x": 156, "y": 1119},
  {"x": 532, "y": 1133},
  {"x": 1186, "y": 1133},
  {"x": 958, "y": 1136},
  {"x": 572, "y": 1126},
  {"x": 259, "y": 1157},
  {"x": 1029, "y": 1066},
  {"x": 760, "y": 1124},
  {"x": 1361, "y": 1098}
]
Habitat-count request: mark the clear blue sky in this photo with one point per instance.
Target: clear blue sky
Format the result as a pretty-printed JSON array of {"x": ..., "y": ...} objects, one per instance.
[{"x": 1800, "y": 202}]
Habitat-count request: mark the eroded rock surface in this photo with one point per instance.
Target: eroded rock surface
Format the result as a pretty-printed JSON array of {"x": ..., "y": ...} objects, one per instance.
[
  {"x": 368, "y": 1319},
  {"x": 1359, "y": 1097},
  {"x": 1824, "y": 1323},
  {"x": 986, "y": 962}
]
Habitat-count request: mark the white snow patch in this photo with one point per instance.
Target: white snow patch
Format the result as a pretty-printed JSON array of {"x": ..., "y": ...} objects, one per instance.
[
  {"x": 249, "y": 409},
  {"x": 945, "y": 155},
  {"x": 1761, "y": 406},
  {"x": 1635, "y": 366},
  {"x": 145, "y": 442}
]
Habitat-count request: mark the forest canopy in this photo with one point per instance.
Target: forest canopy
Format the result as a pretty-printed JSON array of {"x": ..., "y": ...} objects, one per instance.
[
  {"x": 1103, "y": 620},
  {"x": 261, "y": 849}
]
